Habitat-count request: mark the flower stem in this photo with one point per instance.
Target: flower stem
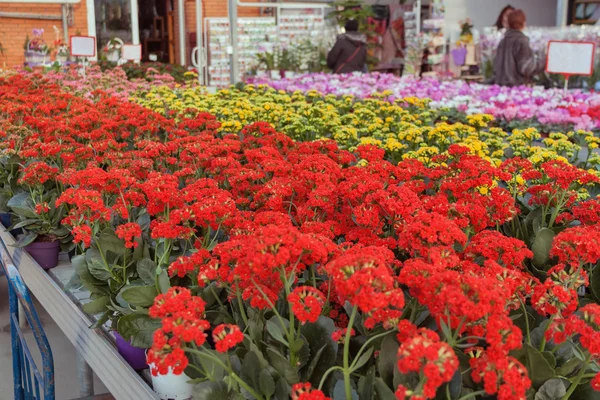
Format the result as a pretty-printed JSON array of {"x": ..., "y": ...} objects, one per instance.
[
  {"x": 364, "y": 347},
  {"x": 241, "y": 305},
  {"x": 578, "y": 378},
  {"x": 346, "y": 367}
]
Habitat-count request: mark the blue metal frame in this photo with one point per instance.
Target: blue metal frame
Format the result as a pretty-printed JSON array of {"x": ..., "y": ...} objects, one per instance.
[{"x": 29, "y": 383}]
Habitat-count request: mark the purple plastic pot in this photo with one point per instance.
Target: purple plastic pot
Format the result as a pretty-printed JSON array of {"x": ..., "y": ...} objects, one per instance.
[
  {"x": 459, "y": 55},
  {"x": 45, "y": 253},
  {"x": 134, "y": 356}
]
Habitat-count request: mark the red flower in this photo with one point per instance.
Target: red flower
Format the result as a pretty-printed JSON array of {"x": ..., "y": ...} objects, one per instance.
[
  {"x": 307, "y": 303},
  {"x": 227, "y": 336},
  {"x": 304, "y": 391},
  {"x": 38, "y": 173},
  {"x": 82, "y": 234},
  {"x": 129, "y": 232}
]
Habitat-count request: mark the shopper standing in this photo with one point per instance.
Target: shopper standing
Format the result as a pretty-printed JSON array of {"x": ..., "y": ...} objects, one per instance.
[
  {"x": 502, "y": 21},
  {"x": 349, "y": 54},
  {"x": 515, "y": 63}
]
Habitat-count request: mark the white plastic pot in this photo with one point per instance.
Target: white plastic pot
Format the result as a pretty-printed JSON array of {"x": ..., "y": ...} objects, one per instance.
[
  {"x": 171, "y": 386},
  {"x": 275, "y": 74}
]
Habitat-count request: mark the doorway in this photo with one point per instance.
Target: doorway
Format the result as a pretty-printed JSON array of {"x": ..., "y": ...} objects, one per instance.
[{"x": 156, "y": 27}]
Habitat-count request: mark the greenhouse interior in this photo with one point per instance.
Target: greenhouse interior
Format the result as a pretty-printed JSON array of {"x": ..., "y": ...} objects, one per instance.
[{"x": 306, "y": 200}]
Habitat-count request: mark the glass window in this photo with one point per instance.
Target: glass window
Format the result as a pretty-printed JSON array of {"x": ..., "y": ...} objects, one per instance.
[{"x": 113, "y": 20}]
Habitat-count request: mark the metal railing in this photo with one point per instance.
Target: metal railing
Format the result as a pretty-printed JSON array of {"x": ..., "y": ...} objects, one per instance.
[{"x": 29, "y": 381}]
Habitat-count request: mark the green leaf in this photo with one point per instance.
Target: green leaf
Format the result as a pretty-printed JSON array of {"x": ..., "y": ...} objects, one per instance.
[
  {"x": 142, "y": 296},
  {"x": 366, "y": 384},
  {"x": 102, "y": 320},
  {"x": 456, "y": 384},
  {"x": 569, "y": 367},
  {"x": 266, "y": 383},
  {"x": 308, "y": 372},
  {"x": 250, "y": 372},
  {"x": 108, "y": 241},
  {"x": 24, "y": 224},
  {"x": 552, "y": 389},
  {"x": 98, "y": 269},
  {"x": 209, "y": 390},
  {"x": 541, "y": 247},
  {"x": 318, "y": 335},
  {"x": 585, "y": 392},
  {"x": 383, "y": 391},
  {"x": 282, "y": 366},
  {"x": 388, "y": 359},
  {"x": 282, "y": 389},
  {"x": 26, "y": 239},
  {"x": 538, "y": 367},
  {"x": 550, "y": 358},
  {"x": 164, "y": 283},
  {"x": 145, "y": 269},
  {"x": 138, "y": 329},
  {"x": 364, "y": 357},
  {"x": 96, "y": 306},
  {"x": 22, "y": 205},
  {"x": 275, "y": 330}
]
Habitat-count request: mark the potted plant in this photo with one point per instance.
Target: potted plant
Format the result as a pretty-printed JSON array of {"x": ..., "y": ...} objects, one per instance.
[
  {"x": 62, "y": 49},
  {"x": 36, "y": 50},
  {"x": 112, "y": 50},
  {"x": 9, "y": 173},
  {"x": 38, "y": 214}
]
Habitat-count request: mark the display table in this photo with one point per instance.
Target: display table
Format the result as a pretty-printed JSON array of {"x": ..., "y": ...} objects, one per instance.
[{"x": 94, "y": 346}]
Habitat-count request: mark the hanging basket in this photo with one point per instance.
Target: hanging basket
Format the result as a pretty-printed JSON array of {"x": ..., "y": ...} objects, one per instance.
[
  {"x": 33, "y": 56},
  {"x": 459, "y": 56}
]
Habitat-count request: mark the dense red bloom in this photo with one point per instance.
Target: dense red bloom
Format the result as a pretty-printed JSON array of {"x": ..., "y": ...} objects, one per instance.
[
  {"x": 227, "y": 336},
  {"x": 492, "y": 245},
  {"x": 430, "y": 230},
  {"x": 587, "y": 212},
  {"x": 82, "y": 234},
  {"x": 38, "y": 173},
  {"x": 577, "y": 245},
  {"x": 307, "y": 303},
  {"x": 504, "y": 376},
  {"x": 426, "y": 354},
  {"x": 129, "y": 232},
  {"x": 364, "y": 277},
  {"x": 304, "y": 391}
]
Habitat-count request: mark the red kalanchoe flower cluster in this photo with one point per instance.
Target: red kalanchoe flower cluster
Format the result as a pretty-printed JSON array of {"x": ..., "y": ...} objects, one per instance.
[
  {"x": 182, "y": 317},
  {"x": 38, "y": 173},
  {"x": 307, "y": 303},
  {"x": 304, "y": 391},
  {"x": 129, "y": 232},
  {"x": 227, "y": 336},
  {"x": 433, "y": 359}
]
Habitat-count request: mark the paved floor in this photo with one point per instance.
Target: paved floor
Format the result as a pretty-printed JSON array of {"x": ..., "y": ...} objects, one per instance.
[{"x": 64, "y": 354}]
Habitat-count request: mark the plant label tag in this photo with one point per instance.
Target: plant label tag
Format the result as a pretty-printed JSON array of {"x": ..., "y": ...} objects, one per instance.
[
  {"x": 83, "y": 46},
  {"x": 131, "y": 52}
]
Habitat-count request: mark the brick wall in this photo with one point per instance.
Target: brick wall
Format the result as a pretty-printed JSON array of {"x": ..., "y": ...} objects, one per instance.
[{"x": 13, "y": 31}]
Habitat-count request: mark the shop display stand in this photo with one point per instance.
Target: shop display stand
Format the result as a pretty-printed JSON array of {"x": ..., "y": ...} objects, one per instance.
[
  {"x": 255, "y": 35},
  {"x": 434, "y": 27}
]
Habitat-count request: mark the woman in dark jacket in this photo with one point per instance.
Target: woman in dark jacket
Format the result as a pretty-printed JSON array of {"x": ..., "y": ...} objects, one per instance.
[
  {"x": 349, "y": 54},
  {"x": 515, "y": 63}
]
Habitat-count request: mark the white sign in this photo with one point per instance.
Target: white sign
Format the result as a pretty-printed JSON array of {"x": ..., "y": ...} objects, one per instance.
[
  {"x": 132, "y": 52},
  {"x": 570, "y": 58},
  {"x": 83, "y": 46}
]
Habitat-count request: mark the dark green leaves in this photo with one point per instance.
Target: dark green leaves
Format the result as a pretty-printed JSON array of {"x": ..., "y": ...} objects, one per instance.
[
  {"x": 142, "y": 296},
  {"x": 138, "y": 328}
]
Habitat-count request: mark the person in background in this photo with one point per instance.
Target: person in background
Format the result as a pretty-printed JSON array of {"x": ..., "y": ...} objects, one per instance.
[
  {"x": 515, "y": 62},
  {"x": 349, "y": 54},
  {"x": 502, "y": 21}
]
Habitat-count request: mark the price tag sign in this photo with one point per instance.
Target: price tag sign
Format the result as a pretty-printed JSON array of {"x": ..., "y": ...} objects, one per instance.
[
  {"x": 570, "y": 58},
  {"x": 131, "y": 52},
  {"x": 83, "y": 46}
]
